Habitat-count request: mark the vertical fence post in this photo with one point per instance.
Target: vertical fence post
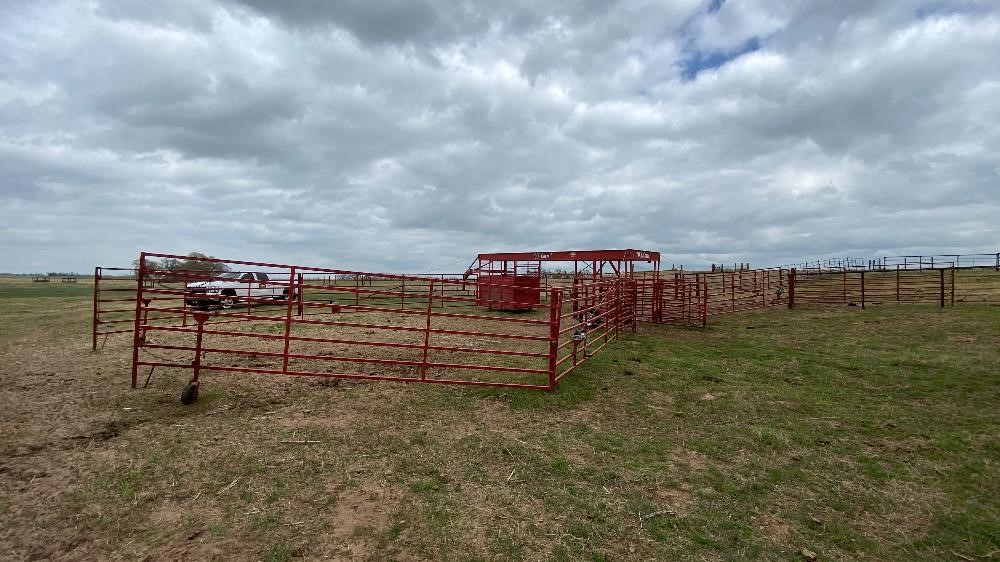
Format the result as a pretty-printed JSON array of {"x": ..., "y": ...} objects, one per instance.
[
  {"x": 897, "y": 282},
  {"x": 200, "y": 318},
  {"x": 781, "y": 286},
  {"x": 250, "y": 284},
  {"x": 704, "y": 305},
  {"x": 732, "y": 286},
  {"x": 941, "y": 271},
  {"x": 683, "y": 308},
  {"x": 618, "y": 308},
  {"x": 791, "y": 288},
  {"x": 845, "y": 286},
  {"x": 97, "y": 290},
  {"x": 633, "y": 291},
  {"x": 555, "y": 311},
  {"x": 604, "y": 298},
  {"x": 575, "y": 292},
  {"x": 140, "y": 275},
  {"x": 656, "y": 306},
  {"x": 862, "y": 288},
  {"x": 427, "y": 331},
  {"x": 184, "y": 299},
  {"x": 301, "y": 297},
  {"x": 296, "y": 292},
  {"x": 952, "y": 286},
  {"x": 767, "y": 287}
]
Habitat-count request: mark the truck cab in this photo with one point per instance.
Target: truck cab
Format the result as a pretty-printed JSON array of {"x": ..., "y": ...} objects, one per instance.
[{"x": 225, "y": 290}]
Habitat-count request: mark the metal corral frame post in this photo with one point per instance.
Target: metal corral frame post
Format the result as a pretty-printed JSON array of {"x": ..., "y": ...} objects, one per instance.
[
  {"x": 555, "y": 311},
  {"x": 184, "y": 305},
  {"x": 299, "y": 292},
  {"x": 97, "y": 289},
  {"x": 941, "y": 271},
  {"x": 897, "y": 282},
  {"x": 288, "y": 317},
  {"x": 140, "y": 279},
  {"x": 704, "y": 305},
  {"x": 952, "y": 286},
  {"x": 862, "y": 288},
  {"x": 427, "y": 332},
  {"x": 200, "y": 318},
  {"x": 791, "y": 288}
]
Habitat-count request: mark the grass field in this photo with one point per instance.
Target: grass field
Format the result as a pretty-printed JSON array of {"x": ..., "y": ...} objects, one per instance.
[{"x": 852, "y": 434}]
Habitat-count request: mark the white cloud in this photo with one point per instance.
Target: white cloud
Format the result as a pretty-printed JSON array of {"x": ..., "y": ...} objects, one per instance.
[{"x": 334, "y": 134}]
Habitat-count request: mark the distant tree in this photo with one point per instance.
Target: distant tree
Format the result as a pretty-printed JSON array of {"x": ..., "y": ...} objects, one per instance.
[
  {"x": 170, "y": 269},
  {"x": 195, "y": 262}
]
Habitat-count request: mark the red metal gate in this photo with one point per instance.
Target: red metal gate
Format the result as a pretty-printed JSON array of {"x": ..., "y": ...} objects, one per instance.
[
  {"x": 345, "y": 324},
  {"x": 679, "y": 300}
]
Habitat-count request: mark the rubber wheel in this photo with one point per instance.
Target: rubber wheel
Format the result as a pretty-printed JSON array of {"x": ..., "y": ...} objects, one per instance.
[
  {"x": 227, "y": 302},
  {"x": 189, "y": 394}
]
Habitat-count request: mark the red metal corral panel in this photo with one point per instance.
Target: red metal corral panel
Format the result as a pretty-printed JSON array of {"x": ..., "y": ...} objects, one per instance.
[{"x": 508, "y": 292}]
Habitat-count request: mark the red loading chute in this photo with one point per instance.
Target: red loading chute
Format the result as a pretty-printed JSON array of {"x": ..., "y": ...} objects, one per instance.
[{"x": 513, "y": 280}]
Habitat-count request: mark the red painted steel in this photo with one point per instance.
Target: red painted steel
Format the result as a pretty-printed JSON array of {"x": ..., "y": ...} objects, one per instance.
[
  {"x": 689, "y": 298},
  {"x": 941, "y": 286},
  {"x": 681, "y": 300},
  {"x": 513, "y": 292},
  {"x": 498, "y": 270},
  {"x": 432, "y": 328},
  {"x": 912, "y": 262},
  {"x": 114, "y": 288},
  {"x": 388, "y": 327},
  {"x": 574, "y": 256}
]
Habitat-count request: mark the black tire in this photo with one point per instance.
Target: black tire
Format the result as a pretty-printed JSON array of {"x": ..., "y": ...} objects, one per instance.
[
  {"x": 189, "y": 394},
  {"x": 227, "y": 302}
]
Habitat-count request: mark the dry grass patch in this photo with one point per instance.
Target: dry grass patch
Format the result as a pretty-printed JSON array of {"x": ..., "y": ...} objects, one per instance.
[{"x": 855, "y": 434}]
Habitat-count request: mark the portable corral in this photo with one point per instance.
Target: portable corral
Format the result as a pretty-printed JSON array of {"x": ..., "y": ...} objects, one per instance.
[{"x": 386, "y": 327}]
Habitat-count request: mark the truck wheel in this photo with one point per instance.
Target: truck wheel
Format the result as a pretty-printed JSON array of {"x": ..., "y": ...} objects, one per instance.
[{"x": 227, "y": 302}]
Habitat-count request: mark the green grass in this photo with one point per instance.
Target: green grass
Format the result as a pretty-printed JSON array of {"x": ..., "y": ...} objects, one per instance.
[
  {"x": 24, "y": 288},
  {"x": 858, "y": 434}
]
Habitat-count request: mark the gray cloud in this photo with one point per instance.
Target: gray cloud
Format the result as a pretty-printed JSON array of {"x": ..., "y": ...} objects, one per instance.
[{"x": 407, "y": 137}]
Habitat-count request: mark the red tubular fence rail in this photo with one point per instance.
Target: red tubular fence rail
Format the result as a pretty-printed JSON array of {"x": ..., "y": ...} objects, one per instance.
[
  {"x": 679, "y": 300},
  {"x": 341, "y": 324},
  {"x": 114, "y": 302},
  {"x": 445, "y": 329},
  {"x": 891, "y": 263},
  {"x": 729, "y": 292},
  {"x": 903, "y": 284}
]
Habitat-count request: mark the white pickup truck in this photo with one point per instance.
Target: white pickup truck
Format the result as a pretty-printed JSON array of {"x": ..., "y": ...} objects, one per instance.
[{"x": 228, "y": 289}]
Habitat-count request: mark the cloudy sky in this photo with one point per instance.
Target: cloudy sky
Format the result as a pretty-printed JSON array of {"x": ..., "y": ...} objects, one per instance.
[{"x": 412, "y": 134}]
